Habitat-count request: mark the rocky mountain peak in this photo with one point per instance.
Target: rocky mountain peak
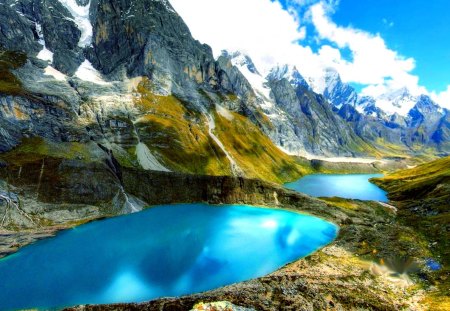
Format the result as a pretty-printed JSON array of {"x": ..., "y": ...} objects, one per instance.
[
  {"x": 334, "y": 90},
  {"x": 241, "y": 59},
  {"x": 290, "y": 73},
  {"x": 396, "y": 94},
  {"x": 399, "y": 101},
  {"x": 426, "y": 105}
]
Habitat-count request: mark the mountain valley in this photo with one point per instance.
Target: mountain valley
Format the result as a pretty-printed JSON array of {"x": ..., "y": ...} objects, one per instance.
[{"x": 108, "y": 107}]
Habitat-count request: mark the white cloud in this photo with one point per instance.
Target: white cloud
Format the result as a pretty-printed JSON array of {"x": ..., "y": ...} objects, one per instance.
[
  {"x": 260, "y": 28},
  {"x": 271, "y": 35},
  {"x": 373, "y": 62},
  {"x": 442, "y": 98}
]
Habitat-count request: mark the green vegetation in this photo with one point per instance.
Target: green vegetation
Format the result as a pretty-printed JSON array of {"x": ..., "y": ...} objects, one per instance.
[
  {"x": 422, "y": 195},
  {"x": 342, "y": 203},
  {"x": 179, "y": 135},
  {"x": 35, "y": 149},
  {"x": 10, "y": 60},
  {"x": 254, "y": 152},
  {"x": 427, "y": 180}
]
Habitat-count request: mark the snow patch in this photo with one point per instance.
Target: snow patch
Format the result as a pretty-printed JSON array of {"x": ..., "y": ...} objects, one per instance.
[
  {"x": 87, "y": 72},
  {"x": 399, "y": 101},
  {"x": 346, "y": 160},
  {"x": 44, "y": 54},
  {"x": 309, "y": 156},
  {"x": 81, "y": 18},
  {"x": 318, "y": 85},
  {"x": 224, "y": 112},
  {"x": 147, "y": 160},
  {"x": 50, "y": 71}
]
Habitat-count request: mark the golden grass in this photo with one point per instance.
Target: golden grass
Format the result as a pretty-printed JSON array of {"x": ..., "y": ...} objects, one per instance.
[
  {"x": 181, "y": 137},
  {"x": 254, "y": 152},
  {"x": 32, "y": 149},
  {"x": 9, "y": 60},
  {"x": 178, "y": 134}
]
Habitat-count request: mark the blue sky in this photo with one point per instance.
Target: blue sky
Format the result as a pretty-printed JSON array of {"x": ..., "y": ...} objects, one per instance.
[
  {"x": 415, "y": 28},
  {"x": 378, "y": 46}
]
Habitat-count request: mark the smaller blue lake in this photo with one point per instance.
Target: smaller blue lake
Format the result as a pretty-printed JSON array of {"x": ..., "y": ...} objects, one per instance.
[
  {"x": 351, "y": 186},
  {"x": 170, "y": 250}
]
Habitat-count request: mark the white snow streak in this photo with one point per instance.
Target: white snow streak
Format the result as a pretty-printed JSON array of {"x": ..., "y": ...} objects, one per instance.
[
  {"x": 44, "y": 54},
  {"x": 224, "y": 112},
  {"x": 235, "y": 169},
  {"x": 147, "y": 160},
  {"x": 81, "y": 18},
  {"x": 256, "y": 81}
]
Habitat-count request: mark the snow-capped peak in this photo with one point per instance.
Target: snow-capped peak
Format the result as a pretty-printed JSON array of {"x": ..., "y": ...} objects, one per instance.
[
  {"x": 246, "y": 66},
  {"x": 426, "y": 105},
  {"x": 398, "y": 101},
  {"x": 329, "y": 79},
  {"x": 240, "y": 59},
  {"x": 288, "y": 72},
  {"x": 396, "y": 94}
]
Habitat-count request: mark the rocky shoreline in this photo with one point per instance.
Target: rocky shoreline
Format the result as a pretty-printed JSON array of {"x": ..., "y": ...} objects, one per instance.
[
  {"x": 353, "y": 273},
  {"x": 349, "y": 274}
]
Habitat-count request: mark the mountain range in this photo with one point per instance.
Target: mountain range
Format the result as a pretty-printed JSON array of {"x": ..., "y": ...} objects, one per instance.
[
  {"x": 108, "y": 107},
  {"x": 129, "y": 78}
]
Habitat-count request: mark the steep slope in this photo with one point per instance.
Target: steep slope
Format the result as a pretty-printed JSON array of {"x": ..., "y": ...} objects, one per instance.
[
  {"x": 128, "y": 76},
  {"x": 333, "y": 89},
  {"x": 422, "y": 182},
  {"x": 303, "y": 122}
]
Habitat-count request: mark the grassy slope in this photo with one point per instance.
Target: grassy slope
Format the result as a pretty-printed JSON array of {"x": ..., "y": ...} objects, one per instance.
[
  {"x": 254, "y": 152},
  {"x": 180, "y": 137},
  {"x": 422, "y": 195},
  {"x": 37, "y": 148},
  {"x": 419, "y": 182}
]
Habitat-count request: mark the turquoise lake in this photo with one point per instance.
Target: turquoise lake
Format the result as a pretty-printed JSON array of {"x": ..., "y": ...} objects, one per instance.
[
  {"x": 163, "y": 251},
  {"x": 351, "y": 186}
]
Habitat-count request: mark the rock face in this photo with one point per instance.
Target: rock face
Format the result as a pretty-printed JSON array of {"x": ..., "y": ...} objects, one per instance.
[
  {"x": 50, "y": 196},
  {"x": 334, "y": 90},
  {"x": 302, "y": 121},
  {"x": 83, "y": 57},
  {"x": 149, "y": 38}
]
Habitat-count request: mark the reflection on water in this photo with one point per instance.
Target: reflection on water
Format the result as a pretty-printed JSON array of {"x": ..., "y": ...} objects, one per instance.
[
  {"x": 350, "y": 186},
  {"x": 163, "y": 251}
]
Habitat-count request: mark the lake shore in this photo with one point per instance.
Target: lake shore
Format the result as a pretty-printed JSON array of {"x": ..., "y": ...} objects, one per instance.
[{"x": 369, "y": 234}]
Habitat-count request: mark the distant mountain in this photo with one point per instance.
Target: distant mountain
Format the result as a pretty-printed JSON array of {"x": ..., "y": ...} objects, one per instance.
[
  {"x": 334, "y": 90},
  {"x": 303, "y": 121},
  {"x": 129, "y": 76},
  {"x": 289, "y": 73},
  {"x": 395, "y": 118}
]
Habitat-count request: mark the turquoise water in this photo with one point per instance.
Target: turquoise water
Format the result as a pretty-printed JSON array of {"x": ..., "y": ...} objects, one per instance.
[
  {"x": 351, "y": 186},
  {"x": 168, "y": 250}
]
